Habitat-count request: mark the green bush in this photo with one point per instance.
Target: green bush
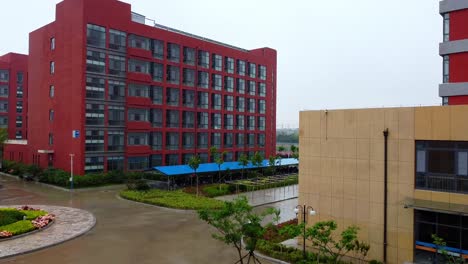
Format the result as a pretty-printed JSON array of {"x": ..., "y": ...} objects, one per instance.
[
  {"x": 216, "y": 190},
  {"x": 33, "y": 214},
  {"x": 138, "y": 185},
  {"x": 172, "y": 199},
  {"x": 19, "y": 227},
  {"x": 9, "y": 216}
]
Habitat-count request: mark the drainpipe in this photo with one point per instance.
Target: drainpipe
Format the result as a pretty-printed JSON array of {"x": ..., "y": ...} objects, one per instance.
[{"x": 385, "y": 133}]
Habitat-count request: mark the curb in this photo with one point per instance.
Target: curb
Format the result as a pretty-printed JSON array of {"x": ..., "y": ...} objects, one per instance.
[
  {"x": 28, "y": 233},
  {"x": 157, "y": 206}
]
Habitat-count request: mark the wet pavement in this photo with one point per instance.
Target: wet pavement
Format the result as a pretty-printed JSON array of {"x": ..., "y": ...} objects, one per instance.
[
  {"x": 266, "y": 196},
  {"x": 126, "y": 232}
]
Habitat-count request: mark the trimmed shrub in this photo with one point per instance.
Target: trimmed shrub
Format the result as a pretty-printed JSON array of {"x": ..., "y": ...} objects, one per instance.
[
  {"x": 9, "y": 216},
  {"x": 19, "y": 227},
  {"x": 216, "y": 190}
]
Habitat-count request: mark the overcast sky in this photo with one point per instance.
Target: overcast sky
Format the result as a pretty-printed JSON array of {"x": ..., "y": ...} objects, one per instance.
[{"x": 331, "y": 54}]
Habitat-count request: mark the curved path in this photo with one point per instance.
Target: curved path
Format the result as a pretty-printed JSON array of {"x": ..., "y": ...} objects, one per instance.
[{"x": 69, "y": 223}]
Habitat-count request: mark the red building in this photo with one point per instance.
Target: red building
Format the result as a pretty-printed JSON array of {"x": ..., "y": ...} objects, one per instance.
[
  {"x": 454, "y": 50},
  {"x": 119, "y": 93},
  {"x": 14, "y": 94}
]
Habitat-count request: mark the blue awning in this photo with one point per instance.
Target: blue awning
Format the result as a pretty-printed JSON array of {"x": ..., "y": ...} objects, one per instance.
[{"x": 213, "y": 167}]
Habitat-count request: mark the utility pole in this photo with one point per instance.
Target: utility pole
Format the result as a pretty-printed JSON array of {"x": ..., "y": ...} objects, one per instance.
[{"x": 71, "y": 171}]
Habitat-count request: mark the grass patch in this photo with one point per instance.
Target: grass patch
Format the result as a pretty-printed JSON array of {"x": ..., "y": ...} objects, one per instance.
[
  {"x": 172, "y": 199},
  {"x": 33, "y": 214},
  {"x": 9, "y": 216},
  {"x": 216, "y": 190},
  {"x": 19, "y": 227}
]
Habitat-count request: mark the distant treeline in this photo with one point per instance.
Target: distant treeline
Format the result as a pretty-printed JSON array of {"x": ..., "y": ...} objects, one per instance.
[{"x": 287, "y": 137}]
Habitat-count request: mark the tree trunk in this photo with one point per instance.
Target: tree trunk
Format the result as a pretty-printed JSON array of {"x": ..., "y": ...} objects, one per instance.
[{"x": 196, "y": 176}]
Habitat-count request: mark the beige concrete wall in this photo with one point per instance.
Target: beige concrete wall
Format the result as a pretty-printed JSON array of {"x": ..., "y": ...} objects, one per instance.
[{"x": 342, "y": 168}]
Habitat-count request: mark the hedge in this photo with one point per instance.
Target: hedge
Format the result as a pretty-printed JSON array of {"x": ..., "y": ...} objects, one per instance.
[
  {"x": 9, "y": 216},
  {"x": 19, "y": 227},
  {"x": 172, "y": 199}
]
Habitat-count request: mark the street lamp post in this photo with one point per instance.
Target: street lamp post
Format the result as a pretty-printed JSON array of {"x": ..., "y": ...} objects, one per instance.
[
  {"x": 304, "y": 209},
  {"x": 71, "y": 171}
]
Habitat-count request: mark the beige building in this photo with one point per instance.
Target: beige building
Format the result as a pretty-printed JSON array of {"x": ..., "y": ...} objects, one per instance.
[{"x": 342, "y": 175}]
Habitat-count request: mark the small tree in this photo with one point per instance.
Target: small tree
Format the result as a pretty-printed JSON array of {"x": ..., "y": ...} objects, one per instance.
[
  {"x": 281, "y": 148},
  {"x": 257, "y": 159},
  {"x": 236, "y": 221},
  {"x": 441, "y": 247},
  {"x": 243, "y": 161},
  {"x": 219, "y": 160},
  {"x": 194, "y": 163},
  {"x": 272, "y": 164},
  {"x": 213, "y": 154}
]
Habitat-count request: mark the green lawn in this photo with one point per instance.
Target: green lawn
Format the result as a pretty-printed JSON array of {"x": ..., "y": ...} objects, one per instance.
[
  {"x": 21, "y": 226},
  {"x": 172, "y": 199}
]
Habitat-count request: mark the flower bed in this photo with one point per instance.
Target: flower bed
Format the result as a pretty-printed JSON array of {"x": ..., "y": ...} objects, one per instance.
[{"x": 26, "y": 219}]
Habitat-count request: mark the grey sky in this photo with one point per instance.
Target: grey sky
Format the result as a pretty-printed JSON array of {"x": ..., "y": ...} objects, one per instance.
[{"x": 331, "y": 54}]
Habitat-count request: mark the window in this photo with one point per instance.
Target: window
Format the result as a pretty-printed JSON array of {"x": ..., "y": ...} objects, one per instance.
[
  {"x": 116, "y": 115},
  {"x": 19, "y": 91},
  {"x": 19, "y": 107},
  {"x": 203, "y": 59},
  {"x": 229, "y": 84},
  {"x": 137, "y": 139},
  {"x": 95, "y": 87},
  {"x": 186, "y": 158},
  {"x": 158, "y": 72},
  {"x": 228, "y": 122},
  {"x": 240, "y": 104},
  {"x": 19, "y": 77},
  {"x": 116, "y": 90},
  {"x": 216, "y": 121},
  {"x": 94, "y": 164},
  {"x": 228, "y": 140},
  {"x": 94, "y": 140},
  {"x": 188, "y": 140},
  {"x": 156, "y": 160},
  {"x": 216, "y": 101},
  {"x": 217, "y": 62},
  {"x": 173, "y": 52},
  {"x": 240, "y": 122},
  {"x": 262, "y": 89},
  {"x": 3, "y": 106},
  {"x": 442, "y": 166},
  {"x": 51, "y": 115},
  {"x": 157, "y": 117},
  {"x": 138, "y": 42},
  {"x": 172, "y": 96},
  {"x": 241, "y": 86},
  {"x": 203, "y": 101},
  {"x": 96, "y": 36},
  {"x": 261, "y": 106},
  {"x": 52, "y": 43},
  {"x": 138, "y": 90},
  {"x": 52, "y": 67},
  {"x": 172, "y": 118},
  {"x": 137, "y": 163},
  {"x": 115, "y": 163},
  {"x": 252, "y": 70},
  {"x": 188, "y": 98},
  {"x": 189, "y": 56},
  {"x": 261, "y": 140},
  {"x": 173, "y": 74},
  {"x": 261, "y": 123},
  {"x": 203, "y": 79},
  {"x": 51, "y": 139},
  {"x": 157, "y": 95},
  {"x": 240, "y": 140},
  {"x": 445, "y": 100},
  {"x": 117, "y": 65},
  {"x": 251, "y": 140},
  {"x": 137, "y": 114},
  {"x": 241, "y": 67},
  {"x": 4, "y": 76},
  {"x": 446, "y": 69},
  {"x": 138, "y": 66},
  {"x": 202, "y": 120},
  {"x": 189, "y": 77},
  {"x": 172, "y": 159},
  {"x": 216, "y": 140},
  {"x": 19, "y": 121},
  {"x": 202, "y": 140},
  {"x": 252, "y": 88},
  {"x": 115, "y": 140},
  {"x": 446, "y": 27},
  {"x": 158, "y": 49},
  {"x": 251, "y": 123},
  {"x": 228, "y": 102},
  {"x": 157, "y": 142},
  {"x": 262, "y": 72},
  {"x": 229, "y": 65},
  {"x": 3, "y": 90},
  {"x": 217, "y": 82},
  {"x": 51, "y": 91},
  {"x": 95, "y": 61},
  {"x": 3, "y": 122},
  {"x": 172, "y": 140},
  {"x": 251, "y": 105},
  {"x": 188, "y": 119},
  {"x": 117, "y": 40}
]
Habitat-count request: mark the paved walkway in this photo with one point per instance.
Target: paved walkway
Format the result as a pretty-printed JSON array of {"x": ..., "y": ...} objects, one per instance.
[
  {"x": 69, "y": 223},
  {"x": 266, "y": 196}
]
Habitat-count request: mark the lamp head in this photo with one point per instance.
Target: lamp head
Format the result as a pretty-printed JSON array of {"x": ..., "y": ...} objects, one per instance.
[
  {"x": 312, "y": 212},
  {"x": 296, "y": 210}
]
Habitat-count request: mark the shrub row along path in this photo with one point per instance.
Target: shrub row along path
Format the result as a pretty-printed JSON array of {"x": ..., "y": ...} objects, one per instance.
[
  {"x": 265, "y": 196},
  {"x": 125, "y": 231},
  {"x": 69, "y": 223}
]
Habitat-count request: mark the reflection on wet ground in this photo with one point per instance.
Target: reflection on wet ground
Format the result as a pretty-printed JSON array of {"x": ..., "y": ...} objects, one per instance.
[{"x": 126, "y": 232}]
